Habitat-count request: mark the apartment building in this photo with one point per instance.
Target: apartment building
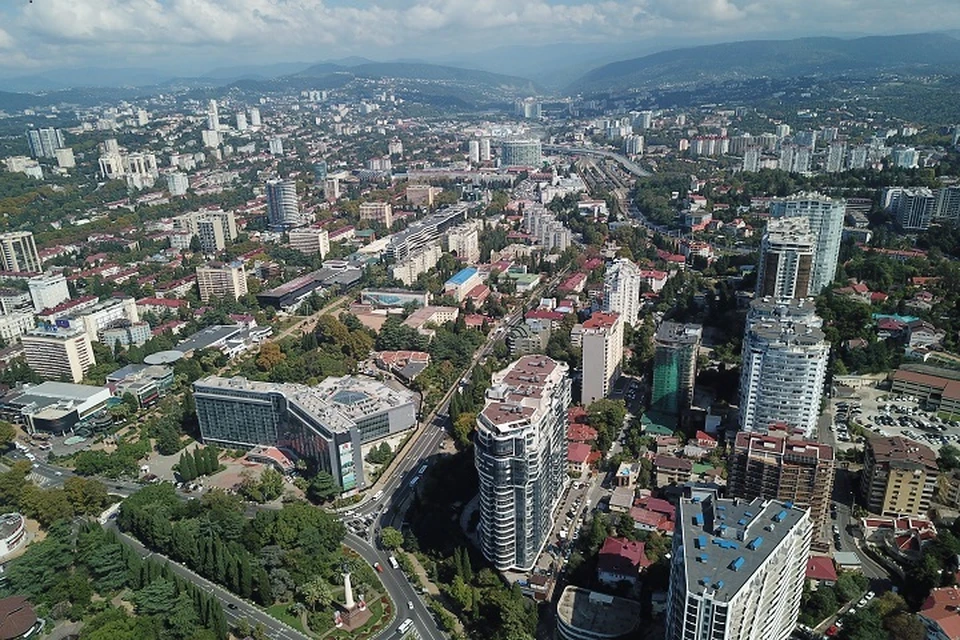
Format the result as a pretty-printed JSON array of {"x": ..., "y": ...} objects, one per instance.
[
  {"x": 218, "y": 280},
  {"x": 601, "y": 355},
  {"x": 899, "y": 476}
]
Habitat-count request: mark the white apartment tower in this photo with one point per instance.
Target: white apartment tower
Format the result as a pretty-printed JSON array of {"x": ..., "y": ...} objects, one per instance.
[
  {"x": 241, "y": 121},
  {"x": 835, "y": 155},
  {"x": 737, "y": 569},
  {"x": 473, "y": 151},
  {"x": 751, "y": 159},
  {"x": 784, "y": 366},
  {"x": 18, "y": 252},
  {"x": 601, "y": 355},
  {"x": 621, "y": 290},
  {"x": 222, "y": 281},
  {"x": 521, "y": 456},
  {"x": 464, "y": 240},
  {"x": 825, "y": 216},
  {"x": 213, "y": 116},
  {"x": 48, "y": 290},
  {"x": 381, "y": 212},
  {"x": 310, "y": 240},
  {"x": 254, "y": 117},
  {"x": 786, "y": 259},
  {"x": 59, "y": 353}
]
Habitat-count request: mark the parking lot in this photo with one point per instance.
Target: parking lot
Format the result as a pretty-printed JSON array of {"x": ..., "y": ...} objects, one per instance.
[{"x": 887, "y": 414}]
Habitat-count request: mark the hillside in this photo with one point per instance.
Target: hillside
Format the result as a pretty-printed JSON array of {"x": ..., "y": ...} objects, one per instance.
[
  {"x": 777, "y": 59},
  {"x": 419, "y": 71}
]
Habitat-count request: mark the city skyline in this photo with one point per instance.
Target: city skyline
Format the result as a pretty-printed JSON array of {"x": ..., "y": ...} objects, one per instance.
[{"x": 206, "y": 34}]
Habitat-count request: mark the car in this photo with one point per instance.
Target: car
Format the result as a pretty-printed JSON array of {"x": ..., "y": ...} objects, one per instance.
[
  {"x": 863, "y": 602},
  {"x": 409, "y": 604},
  {"x": 839, "y": 623},
  {"x": 832, "y": 631},
  {"x": 231, "y": 605},
  {"x": 870, "y": 596},
  {"x": 378, "y": 567}
]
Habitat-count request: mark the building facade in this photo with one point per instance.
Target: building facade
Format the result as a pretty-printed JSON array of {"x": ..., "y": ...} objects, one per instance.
[
  {"x": 310, "y": 240},
  {"x": 521, "y": 153},
  {"x": 380, "y": 212},
  {"x": 521, "y": 454},
  {"x": 601, "y": 355},
  {"x": 48, "y": 290},
  {"x": 786, "y": 259},
  {"x": 56, "y": 353},
  {"x": 18, "y": 252},
  {"x": 621, "y": 290},
  {"x": 825, "y": 216},
  {"x": 899, "y": 476},
  {"x": 222, "y": 281},
  {"x": 676, "y": 347},
  {"x": 283, "y": 207},
  {"x": 737, "y": 569},
  {"x": 779, "y": 468}
]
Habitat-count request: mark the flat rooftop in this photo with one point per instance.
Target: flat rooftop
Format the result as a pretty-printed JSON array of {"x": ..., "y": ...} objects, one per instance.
[
  {"x": 726, "y": 541},
  {"x": 601, "y": 615},
  {"x": 208, "y": 337},
  {"x": 462, "y": 276}
]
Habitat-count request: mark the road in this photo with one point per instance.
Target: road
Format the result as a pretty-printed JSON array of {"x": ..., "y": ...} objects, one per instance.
[{"x": 627, "y": 164}]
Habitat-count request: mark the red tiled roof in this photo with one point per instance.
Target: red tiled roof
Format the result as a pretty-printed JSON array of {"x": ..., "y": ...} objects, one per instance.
[
  {"x": 821, "y": 568},
  {"x": 622, "y": 556},
  {"x": 941, "y": 607},
  {"x": 578, "y": 452},
  {"x": 581, "y": 433},
  {"x": 16, "y": 617}
]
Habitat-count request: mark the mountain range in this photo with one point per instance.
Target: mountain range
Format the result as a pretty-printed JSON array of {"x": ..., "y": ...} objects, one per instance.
[{"x": 828, "y": 57}]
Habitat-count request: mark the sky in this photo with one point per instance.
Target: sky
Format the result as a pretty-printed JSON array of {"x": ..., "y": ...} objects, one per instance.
[{"x": 194, "y": 36}]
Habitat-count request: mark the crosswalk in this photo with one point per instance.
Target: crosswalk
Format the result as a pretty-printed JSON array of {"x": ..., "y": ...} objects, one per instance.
[{"x": 39, "y": 480}]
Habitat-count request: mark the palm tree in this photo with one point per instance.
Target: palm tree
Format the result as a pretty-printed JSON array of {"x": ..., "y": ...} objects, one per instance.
[{"x": 316, "y": 592}]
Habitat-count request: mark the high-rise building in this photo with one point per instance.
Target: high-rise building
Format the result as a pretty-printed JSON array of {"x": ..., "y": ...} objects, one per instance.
[
  {"x": 905, "y": 157},
  {"x": 464, "y": 240},
  {"x": 676, "y": 347},
  {"x": 782, "y": 130},
  {"x": 825, "y": 216},
  {"x": 644, "y": 119},
  {"x": 59, "y": 353},
  {"x": 521, "y": 456},
  {"x": 254, "y": 117},
  {"x": 782, "y": 375},
  {"x": 380, "y": 212},
  {"x": 601, "y": 355},
  {"x": 18, "y": 252},
  {"x": 520, "y": 153},
  {"x": 786, "y": 259},
  {"x": 899, "y": 476},
  {"x": 835, "y": 155},
  {"x": 737, "y": 569},
  {"x": 213, "y": 116},
  {"x": 44, "y": 142},
  {"x": 65, "y": 158},
  {"x": 858, "y": 157},
  {"x": 621, "y": 290},
  {"x": 222, "y": 281},
  {"x": 215, "y": 228},
  {"x": 310, "y": 240},
  {"x": 473, "y": 152},
  {"x": 177, "y": 184},
  {"x": 331, "y": 188},
  {"x": 325, "y": 424},
  {"x": 283, "y": 207},
  {"x": 241, "y": 121},
  {"x": 485, "y": 153},
  {"x": 781, "y": 468},
  {"x": 915, "y": 209},
  {"x": 751, "y": 159},
  {"x": 48, "y": 290},
  {"x": 948, "y": 204},
  {"x": 633, "y": 145},
  {"x": 276, "y": 146}
]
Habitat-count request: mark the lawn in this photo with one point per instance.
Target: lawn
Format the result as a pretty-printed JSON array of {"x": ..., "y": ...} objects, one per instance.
[{"x": 281, "y": 613}]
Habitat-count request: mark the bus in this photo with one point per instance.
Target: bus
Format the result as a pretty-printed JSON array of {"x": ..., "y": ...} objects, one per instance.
[
  {"x": 377, "y": 495},
  {"x": 405, "y": 626},
  {"x": 414, "y": 482}
]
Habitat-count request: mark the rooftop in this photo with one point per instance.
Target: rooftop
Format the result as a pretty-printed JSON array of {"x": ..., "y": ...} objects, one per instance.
[
  {"x": 601, "y": 320},
  {"x": 726, "y": 541},
  {"x": 601, "y": 615},
  {"x": 678, "y": 333},
  {"x": 900, "y": 450},
  {"x": 942, "y": 606},
  {"x": 462, "y": 276},
  {"x": 209, "y": 337},
  {"x": 16, "y": 617}
]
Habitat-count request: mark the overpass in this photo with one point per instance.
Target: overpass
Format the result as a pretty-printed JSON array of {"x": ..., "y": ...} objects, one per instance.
[{"x": 627, "y": 164}]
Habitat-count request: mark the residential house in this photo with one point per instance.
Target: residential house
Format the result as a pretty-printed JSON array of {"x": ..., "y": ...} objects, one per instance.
[{"x": 621, "y": 560}]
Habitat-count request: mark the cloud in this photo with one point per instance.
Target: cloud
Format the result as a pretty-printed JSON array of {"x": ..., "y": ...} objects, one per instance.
[{"x": 59, "y": 32}]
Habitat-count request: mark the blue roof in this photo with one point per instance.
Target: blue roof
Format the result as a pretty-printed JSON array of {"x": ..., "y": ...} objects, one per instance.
[{"x": 462, "y": 276}]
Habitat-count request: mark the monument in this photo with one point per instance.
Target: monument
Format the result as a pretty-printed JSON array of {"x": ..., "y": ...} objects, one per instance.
[{"x": 351, "y": 615}]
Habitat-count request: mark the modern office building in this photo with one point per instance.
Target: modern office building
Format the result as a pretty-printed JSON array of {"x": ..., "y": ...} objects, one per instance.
[
  {"x": 825, "y": 216},
  {"x": 782, "y": 375},
  {"x": 283, "y": 208},
  {"x": 18, "y": 252},
  {"x": 601, "y": 355},
  {"x": 786, "y": 259},
  {"x": 324, "y": 424},
  {"x": 45, "y": 142},
  {"x": 58, "y": 353},
  {"x": 915, "y": 209},
  {"x": 520, "y": 153},
  {"x": 676, "y": 347},
  {"x": 899, "y": 476},
  {"x": 54, "y": 407},
  {"x": 737, "y": 569},
  {"x": 776, "y": 467},
  {"x": 48, "y": 290},
  {"x": 621, "y": 290},
  {"x": 310, "y": 240},
  {"x": 521, "y": 458},
  {"x": 380, "y": 212},
  {"x": 424, "y": 233},
  {"x": 222, "y": 280}
]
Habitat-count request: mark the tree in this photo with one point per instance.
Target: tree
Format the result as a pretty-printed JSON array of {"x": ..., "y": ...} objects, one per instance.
[
  {"x": 391, "y": 538},
  {"x": 270, "y": 356},
  {"x": 187, "y": 467},
  {"x": 316, "y": 592},
  {"x": 949, "y": 458},
  {"x": 462, "y": 428},
  {"x": 271, "y": 484},
  {"x": 8, "y": 434},
  {"x": 323, "y": 487}
]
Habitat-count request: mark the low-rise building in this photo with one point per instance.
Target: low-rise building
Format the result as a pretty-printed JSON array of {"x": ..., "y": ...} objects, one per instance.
[
  {"x": 54, "y": 407},
  {"x": 672, "y": 470},
  {"x": 589, "y": 615},
  {"x": 147, "y": 383},
  {"x": 621, "y": 560}
]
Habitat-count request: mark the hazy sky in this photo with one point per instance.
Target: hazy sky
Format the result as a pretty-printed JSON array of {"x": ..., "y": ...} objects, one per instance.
[{"x": 200, "y": 34}]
